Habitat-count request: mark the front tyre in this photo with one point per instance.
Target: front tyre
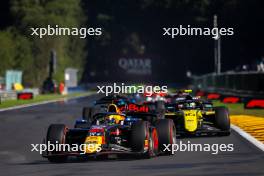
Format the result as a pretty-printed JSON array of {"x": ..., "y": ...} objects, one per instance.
[
  {"x": 56, "y": 135},
  {"x": 139, "y": 133},
  {"x": 222, "y": 120}
]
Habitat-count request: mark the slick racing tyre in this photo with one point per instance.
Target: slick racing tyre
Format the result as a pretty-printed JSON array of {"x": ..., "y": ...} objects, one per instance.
[
  {"x": 154, "y": 142},
  {"x": 139, "y": 132},
  {"x": 166, "y": 133},
  {"x": 142, "y": 137},
  {"x": 160, "y": 106},
  {"x": 160, "y": 109},
  {"x": 56, "y": 135},
  {"x": 87, "y": 113},
  {"x": 222, "y": 120}
]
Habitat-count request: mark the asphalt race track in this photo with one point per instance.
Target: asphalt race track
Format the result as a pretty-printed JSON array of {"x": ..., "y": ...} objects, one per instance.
[{"x": 22, "y": 127}]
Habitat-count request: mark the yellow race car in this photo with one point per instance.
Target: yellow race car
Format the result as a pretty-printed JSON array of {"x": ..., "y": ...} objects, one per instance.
[{"x": 193, "y": 116}]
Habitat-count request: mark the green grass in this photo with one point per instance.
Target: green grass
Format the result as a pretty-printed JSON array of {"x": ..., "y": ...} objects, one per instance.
[
  {"x": 238, "y": 109},
  {"x": 39, "y": 98}
]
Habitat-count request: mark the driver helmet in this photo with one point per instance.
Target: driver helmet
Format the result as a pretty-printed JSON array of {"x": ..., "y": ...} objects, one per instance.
[
  {"x": 113, "y": 108},
  {"x": 192, "y": 105},
  {"x": 115, "y": 118}
]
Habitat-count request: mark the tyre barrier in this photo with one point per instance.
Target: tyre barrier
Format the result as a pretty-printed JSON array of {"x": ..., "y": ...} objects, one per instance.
[
  {"x": 254, "y": 103},
  {"x": 250, "y": 102},
  {"x": 25, "y": 96}
]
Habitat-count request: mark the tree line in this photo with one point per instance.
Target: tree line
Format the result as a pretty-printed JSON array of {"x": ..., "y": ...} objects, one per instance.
[{"x": 30, "y": 54}]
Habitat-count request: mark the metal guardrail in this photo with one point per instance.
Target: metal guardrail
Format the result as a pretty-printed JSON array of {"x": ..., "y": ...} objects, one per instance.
[
  {"x": 8, "y": 95},
  {"x": 243, "y": 83}
]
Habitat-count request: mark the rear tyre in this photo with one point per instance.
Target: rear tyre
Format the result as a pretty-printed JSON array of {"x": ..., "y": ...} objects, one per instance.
[
  {"x": 155, "y": 142},
  {"x": 142, "y": 137},
  {"x": 160, "y": 108},
  {"x": 166, "y": 133},
  {"x": 56, "y": 135},
  {"x": 222, "y": 120},
  {"x": 87, "y": 113}
]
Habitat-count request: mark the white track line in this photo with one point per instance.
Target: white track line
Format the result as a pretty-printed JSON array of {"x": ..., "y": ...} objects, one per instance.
[
  {"x": 248, "y": 137},
  {"x": 40, "y": 103}
]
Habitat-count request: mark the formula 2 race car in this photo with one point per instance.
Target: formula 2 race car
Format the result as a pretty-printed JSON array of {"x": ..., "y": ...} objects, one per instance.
[
  {"x": 112, "y": 133},
  {"x": 193, "y": 116},
  {"x": 102, "y": 104}
]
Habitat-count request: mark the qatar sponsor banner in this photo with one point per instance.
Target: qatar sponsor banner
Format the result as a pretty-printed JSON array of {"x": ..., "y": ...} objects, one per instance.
[{"x": 137, "y": 66}]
